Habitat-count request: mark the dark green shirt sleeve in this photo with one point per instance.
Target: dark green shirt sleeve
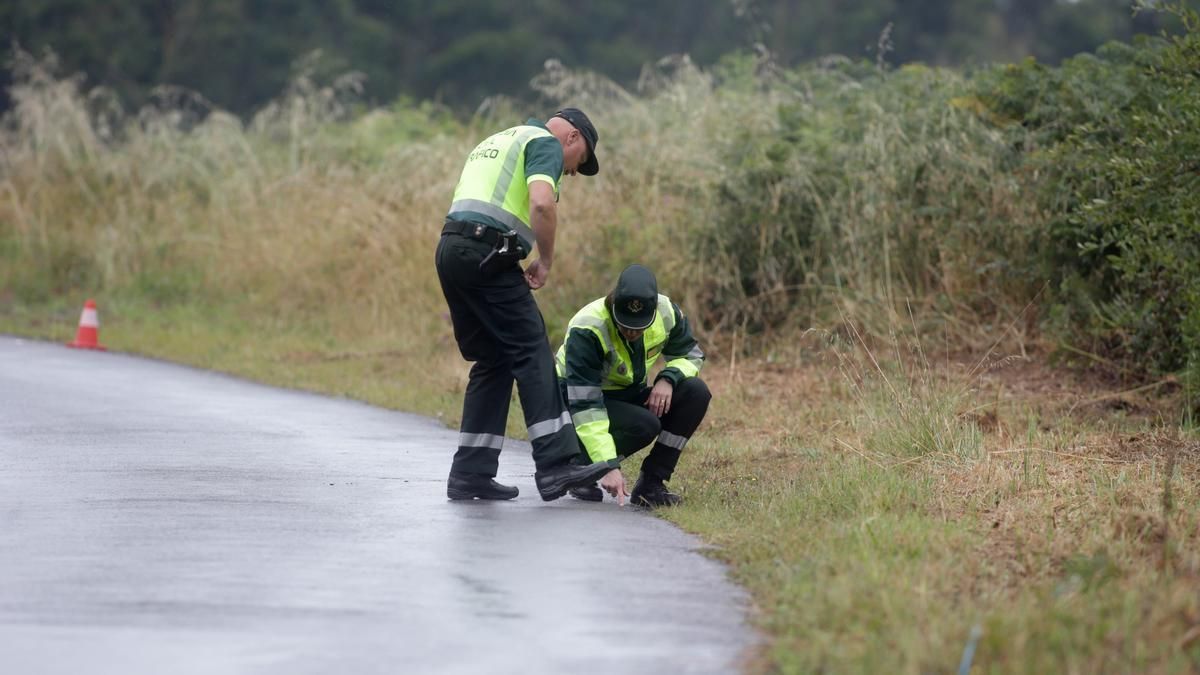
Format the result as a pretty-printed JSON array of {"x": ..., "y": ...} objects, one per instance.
[
  {"x": 585, "y": 360},
  {"x": 544, "y": 157},
  {"x": 681, "y": 352},
  {"x": 585, "y": 399}
]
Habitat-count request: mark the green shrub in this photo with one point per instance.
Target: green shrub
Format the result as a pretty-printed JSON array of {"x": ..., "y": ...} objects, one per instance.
[{"x": 1117, "y": 137}]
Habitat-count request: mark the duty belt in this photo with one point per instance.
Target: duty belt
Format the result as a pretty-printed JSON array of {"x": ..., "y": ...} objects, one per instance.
[{"x": 488, "y": 235}]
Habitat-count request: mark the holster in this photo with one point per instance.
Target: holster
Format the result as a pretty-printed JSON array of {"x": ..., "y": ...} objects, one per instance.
[{"x": 507, "y": 251}]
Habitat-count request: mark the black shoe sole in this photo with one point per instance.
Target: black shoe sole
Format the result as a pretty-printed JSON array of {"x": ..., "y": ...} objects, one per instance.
[
  {"x": 555, "y": 490},
  {"x": 464, "y": 495},
  {"x": 586, "y": 497}
]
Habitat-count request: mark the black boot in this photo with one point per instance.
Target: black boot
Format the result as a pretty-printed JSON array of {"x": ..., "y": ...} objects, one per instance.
[
  {"x": 477, "y": 486},
  {"x": 651, "y": 492},
  {"x": 555, "y": 481},
  {"x": 588, "y": 493}
]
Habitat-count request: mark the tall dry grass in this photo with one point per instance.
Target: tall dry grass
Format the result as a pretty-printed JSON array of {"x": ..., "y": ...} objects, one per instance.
[{"x": 757, "y": 195}]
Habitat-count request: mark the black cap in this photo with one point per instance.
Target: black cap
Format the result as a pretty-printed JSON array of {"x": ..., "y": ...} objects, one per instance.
[
  {"x": 635, "y": 300},
  {"x": 581, "y": 122}
]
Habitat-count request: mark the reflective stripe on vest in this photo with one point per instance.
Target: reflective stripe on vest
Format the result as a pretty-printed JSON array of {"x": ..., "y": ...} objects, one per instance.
[{"x": 493, "y": 180}]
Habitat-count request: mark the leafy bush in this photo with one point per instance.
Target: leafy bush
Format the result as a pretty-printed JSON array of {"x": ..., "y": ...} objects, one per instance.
[{"x": 1117, "y": 137}]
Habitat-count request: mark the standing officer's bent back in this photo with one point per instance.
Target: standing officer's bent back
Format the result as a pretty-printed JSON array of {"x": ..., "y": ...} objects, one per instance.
[{"x": 504, "y": 205}]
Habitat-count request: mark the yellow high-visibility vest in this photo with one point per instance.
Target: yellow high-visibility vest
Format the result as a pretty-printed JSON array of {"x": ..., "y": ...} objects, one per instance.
[{"x": 493, "y": 182}]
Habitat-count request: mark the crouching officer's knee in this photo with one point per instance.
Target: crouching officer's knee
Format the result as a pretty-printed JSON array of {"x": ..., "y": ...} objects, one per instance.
[{"x": 693, "y": 391}]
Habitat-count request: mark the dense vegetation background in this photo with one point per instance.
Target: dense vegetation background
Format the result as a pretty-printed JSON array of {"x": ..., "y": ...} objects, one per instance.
[
  {"x": 992, "y": 201},
  {"x": 240, "y": 54}
]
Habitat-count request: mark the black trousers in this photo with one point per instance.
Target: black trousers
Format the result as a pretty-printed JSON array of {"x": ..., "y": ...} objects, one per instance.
[
  {"x": 498, "y": 326},
  {"x": 633, "y": 426}
]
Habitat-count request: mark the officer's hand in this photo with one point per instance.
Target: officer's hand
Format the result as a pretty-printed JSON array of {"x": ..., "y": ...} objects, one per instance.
[
  {"x": 614, "y": 484},
  {"x": 659, "y": 402},
  {"x": 536, "y": 274}
]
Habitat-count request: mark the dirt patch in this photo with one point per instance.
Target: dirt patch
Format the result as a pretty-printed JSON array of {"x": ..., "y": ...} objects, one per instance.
[{"x": 1087, "y": 395}]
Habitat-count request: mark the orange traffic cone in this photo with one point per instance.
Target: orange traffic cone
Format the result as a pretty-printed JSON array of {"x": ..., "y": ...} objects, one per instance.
[{"x": 88, "y": 335}]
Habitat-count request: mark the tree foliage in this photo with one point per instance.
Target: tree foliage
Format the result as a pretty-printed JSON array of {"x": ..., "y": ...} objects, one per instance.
[{"x": 239, "y": 54}]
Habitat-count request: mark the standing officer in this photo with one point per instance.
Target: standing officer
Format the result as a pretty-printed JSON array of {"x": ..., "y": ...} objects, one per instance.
[
  {"x": 503, "y": 205},
  {"x": 603, "y": 364}
]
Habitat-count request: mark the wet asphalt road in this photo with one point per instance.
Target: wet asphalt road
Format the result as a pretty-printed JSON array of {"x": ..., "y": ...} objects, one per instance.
[{"x": 156, "y": 519}]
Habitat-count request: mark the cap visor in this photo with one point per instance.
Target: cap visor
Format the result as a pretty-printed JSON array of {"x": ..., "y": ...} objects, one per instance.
[
  {"x": 633, "y": 322},
  {"x": 590, "y": 167}
]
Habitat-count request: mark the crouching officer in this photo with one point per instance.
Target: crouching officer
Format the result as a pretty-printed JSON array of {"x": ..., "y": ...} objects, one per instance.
[
  {"x": 610, "y": 346},
  {"x": 504, "y": 204}
]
